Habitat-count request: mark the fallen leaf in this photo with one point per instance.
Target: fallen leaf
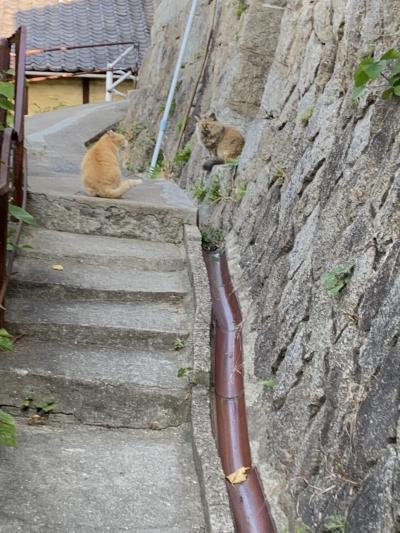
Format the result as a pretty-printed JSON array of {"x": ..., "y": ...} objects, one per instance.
[
  {"x": 239, "y": 476},
  {"x": 57, "y": 267},
  {"x": 36, "y": 420}
]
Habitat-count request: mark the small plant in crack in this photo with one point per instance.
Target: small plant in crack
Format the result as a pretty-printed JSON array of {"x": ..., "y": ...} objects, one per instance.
[
  {"x": 44, "y": 408},
  {"x": 305, "y": 117},
  {"x": 7, "y": 430},
  {"x": 270, "y": 383},
  {"x": 242, "y": 6},
  {"x": 185, "y": 371},
  {"x": 200, "y": 190},
  {"x": 278, "y": 175},
  {"x": 214, "y": 194},
  {"x": 6, "y": 341},
  {"x": 336, "y": 279},
  {"x": 179, "y": 344},
  {"x": 211, "y": 238},
  {"x": 26, "y": 403},
  {"x": 239, "y": 192},
  {"x": 335, "y": 524}
]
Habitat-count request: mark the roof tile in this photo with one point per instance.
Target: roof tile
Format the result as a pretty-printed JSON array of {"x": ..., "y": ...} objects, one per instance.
[{"x": 53, "y": 23}]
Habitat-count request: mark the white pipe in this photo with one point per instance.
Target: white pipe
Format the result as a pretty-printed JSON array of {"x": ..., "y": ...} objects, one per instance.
[
  {"x": 109, "y": 82},
  {"x": 164, "y": 120},
  {"x": 112, "y": 65}
]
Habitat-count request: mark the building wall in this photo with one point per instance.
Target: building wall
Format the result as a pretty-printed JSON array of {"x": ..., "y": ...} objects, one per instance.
[{"x": 52, "y": 94}]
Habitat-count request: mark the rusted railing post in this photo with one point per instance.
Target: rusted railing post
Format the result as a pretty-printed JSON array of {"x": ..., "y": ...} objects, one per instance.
[{"x": 20, "y": 102}]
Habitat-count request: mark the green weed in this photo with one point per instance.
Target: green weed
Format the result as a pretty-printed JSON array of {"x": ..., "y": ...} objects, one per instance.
[{"x": 336, "y": 279}]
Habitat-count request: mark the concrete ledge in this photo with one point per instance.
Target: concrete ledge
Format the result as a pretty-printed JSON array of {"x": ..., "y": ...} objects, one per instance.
[{"x": 208, "y": 465}]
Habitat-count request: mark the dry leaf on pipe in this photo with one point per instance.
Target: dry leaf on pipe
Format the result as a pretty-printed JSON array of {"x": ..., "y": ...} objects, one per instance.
[
  {"x": 57, "y": 267},
  {"x": 239, "y": 476}
]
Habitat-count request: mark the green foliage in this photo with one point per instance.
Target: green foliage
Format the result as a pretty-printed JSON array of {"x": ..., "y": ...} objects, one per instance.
[
  {"x": 22, "y": 215},
  {"x": 336, "y": 279},
  {"x": 211, "y": 238},
  {"x": 239, "y": 192},
  {"x": 305, "y": 117},
  {"x": 172, "y": 109},
  {"x": 179, "y": 125},
  {"x": 200, "y": 190},
  {"x": 335, "y": 524},
  {"x": 183, "y": 155},
  {"x": 278, "y": 175},
  {"x": 7, "y": 430},
  {"x": 45, "y": 407},
  {"x": 233, "y": 162},
  {"x": 158, "y": 169},
  {"x": 371, "y": 69},
  {"x": 179, "y": 344},
  {"x": 270, "y": 383},
  {"x": 214, "y": 194},
  {"x": 26, "y": 403},
  {"x": 6, "y": 342},
  {"x": 182, "y": 372},
  {"x": 241, "y": 8}
]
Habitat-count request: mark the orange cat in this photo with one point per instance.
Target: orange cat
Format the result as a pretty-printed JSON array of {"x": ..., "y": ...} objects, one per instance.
[{"x": 101, "y": 170}]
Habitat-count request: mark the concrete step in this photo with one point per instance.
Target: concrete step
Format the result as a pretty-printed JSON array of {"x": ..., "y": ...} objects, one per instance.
[
  {"x": 55, "y": 246},
  {"x": 98, "y": 385},
  {"x": 103, "y": 323},
  {"x": 82, "y": 479},
  {"x": 79, "y": 280},
  {"x": 156, "y": 210}
]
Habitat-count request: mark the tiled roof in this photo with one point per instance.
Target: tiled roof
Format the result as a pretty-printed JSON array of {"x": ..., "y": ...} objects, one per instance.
[{"x": 52, "y": 23}]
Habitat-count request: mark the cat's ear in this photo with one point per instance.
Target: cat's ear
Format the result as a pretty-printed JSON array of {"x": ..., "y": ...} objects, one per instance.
[{"x": 212, "y": 116}]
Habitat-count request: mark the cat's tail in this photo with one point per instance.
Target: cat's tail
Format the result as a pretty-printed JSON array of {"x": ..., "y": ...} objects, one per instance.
[{"x": 209, "y": 163}]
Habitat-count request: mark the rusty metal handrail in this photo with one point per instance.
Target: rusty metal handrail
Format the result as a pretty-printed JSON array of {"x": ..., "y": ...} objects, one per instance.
[{"x": 13, "y": 175}]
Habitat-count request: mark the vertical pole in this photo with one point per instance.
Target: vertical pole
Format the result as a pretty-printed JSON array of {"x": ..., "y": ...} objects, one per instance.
[
  {"x": 19, "y": 118},
  {"x": 164, "y": 120},
  {"x": 85, "y": 90},
  {"x": 109, "y": 82},
  {"x": 4, "y": 66}
]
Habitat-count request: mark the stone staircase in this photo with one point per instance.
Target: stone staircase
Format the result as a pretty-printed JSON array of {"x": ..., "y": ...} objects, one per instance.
[{"x": 98, "y": 338}]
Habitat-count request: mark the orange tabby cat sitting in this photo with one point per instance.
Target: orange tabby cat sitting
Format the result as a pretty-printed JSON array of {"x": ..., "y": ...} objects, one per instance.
[{"x": 101, "y": 170}]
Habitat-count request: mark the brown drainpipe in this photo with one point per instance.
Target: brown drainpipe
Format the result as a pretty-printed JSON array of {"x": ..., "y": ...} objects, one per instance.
[{"x": 250, "y": 509}]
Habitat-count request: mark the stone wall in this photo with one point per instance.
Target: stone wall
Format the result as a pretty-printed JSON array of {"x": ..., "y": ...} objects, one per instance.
[{"x": 322, "y": 177}]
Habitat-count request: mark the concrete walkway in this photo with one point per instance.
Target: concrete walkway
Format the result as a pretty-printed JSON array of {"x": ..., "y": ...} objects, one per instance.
[{"x": 98, "y": 338}]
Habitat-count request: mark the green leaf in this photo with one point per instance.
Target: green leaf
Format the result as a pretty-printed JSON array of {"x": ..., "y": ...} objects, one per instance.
[
  {"x": 7, "y": 430},
  {"x": 4, "y": 333},
  {"x": 387, "y": 93},
  {"x": 360, "y": 77},
  {"x": 26, "y": 403},
  {"x": 374, "y": 70},
  {"x": 270, "y": 383},
  {"x": 20, "y": 214},
  {"x": 357, "y": 92},
  {"x": 6, "y": 342},
  {"x": 396, "y": 90},
  {"x": 183, "y": 371},
  {"x": 7, "y": 89},
  {"x": 5, "y": 103},
  {"x": 396, "y": 69},
  {"x": 390, "y": 54}
]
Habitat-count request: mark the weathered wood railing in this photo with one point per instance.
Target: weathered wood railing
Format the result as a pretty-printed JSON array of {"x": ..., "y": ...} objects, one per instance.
[{"x": 13, "y": 176}]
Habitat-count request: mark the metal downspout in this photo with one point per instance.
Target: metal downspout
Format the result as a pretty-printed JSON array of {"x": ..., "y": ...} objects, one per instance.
[{"x": 250, "y": 508}]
